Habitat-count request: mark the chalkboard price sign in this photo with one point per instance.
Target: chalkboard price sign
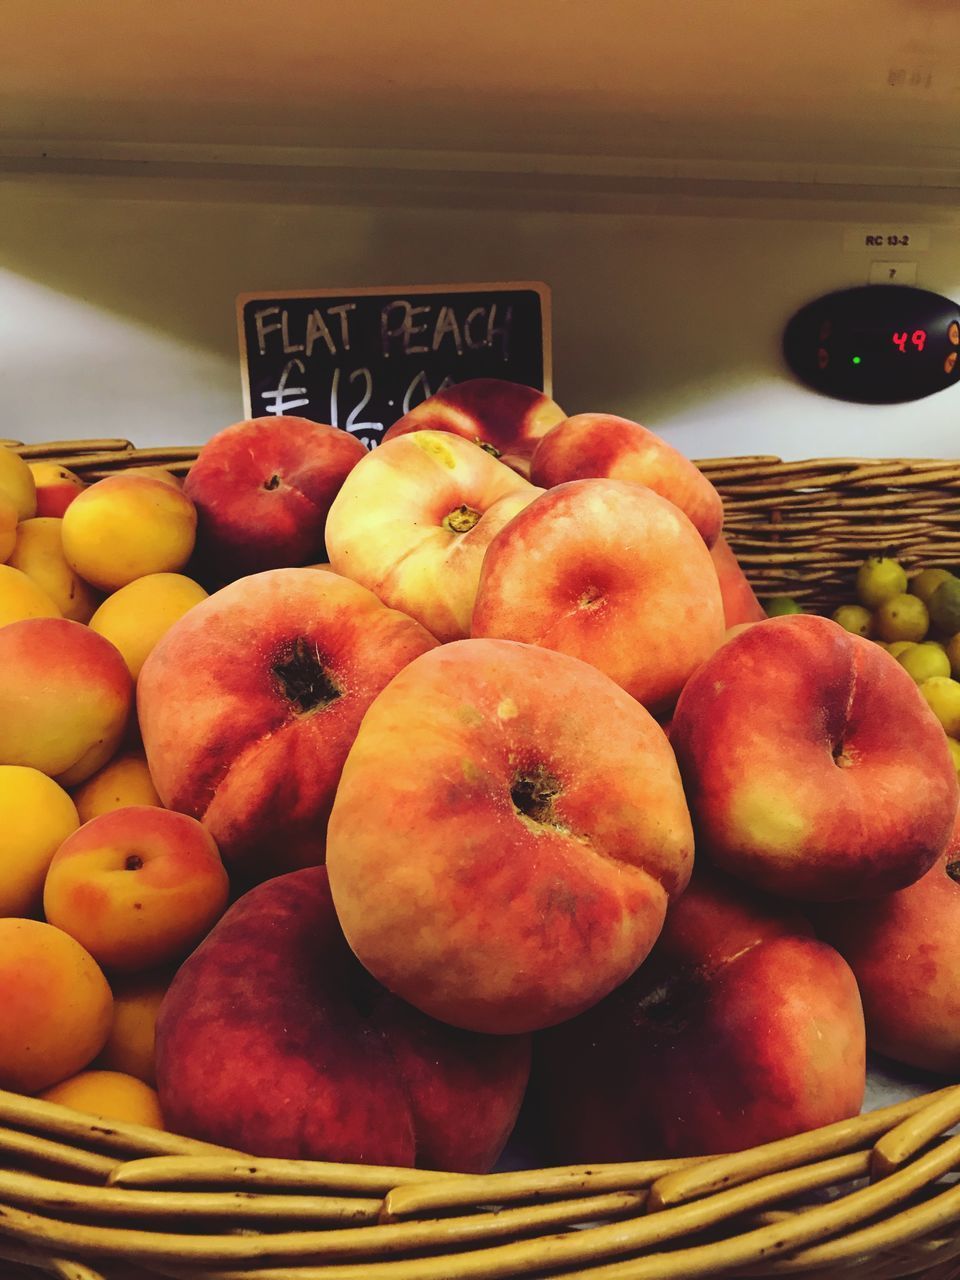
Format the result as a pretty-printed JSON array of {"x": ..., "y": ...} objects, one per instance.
[{"x": 360, "y": 359}]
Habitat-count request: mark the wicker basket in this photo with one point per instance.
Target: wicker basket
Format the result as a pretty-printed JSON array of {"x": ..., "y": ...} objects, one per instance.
[
  {"x": 798, "y": 528},
  {"x": 802, "y": 528},
  {"x": 877, "y": 1196}
]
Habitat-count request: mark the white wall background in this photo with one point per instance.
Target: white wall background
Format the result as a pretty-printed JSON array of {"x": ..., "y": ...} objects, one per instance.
[{"x": 117, "y": 299}]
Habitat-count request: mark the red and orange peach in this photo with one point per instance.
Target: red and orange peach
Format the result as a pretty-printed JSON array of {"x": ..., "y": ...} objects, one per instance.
[
  {"x": 505, "y": 418},
  {"x": 740, "y": 603},
  {"x": 508, "y": 830},
  {"x": 262, "y": 490},
  {"x": 274, "y": 1040},
  {"x": 611, "y": 573},
  {"x": 412, "y": 523},
  {"x": 812, "y": 765},
  {"x": 740, "y": 1028},
  {"x": 56, "y": 487},
  {"x": 902, "y": 948},
  {"x": 250, "y": 702},
  {"x": 595, "y": 445}
]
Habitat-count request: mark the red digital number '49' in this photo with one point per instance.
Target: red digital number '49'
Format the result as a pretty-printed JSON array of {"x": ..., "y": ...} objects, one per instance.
[{"x": 918, "y": 338}]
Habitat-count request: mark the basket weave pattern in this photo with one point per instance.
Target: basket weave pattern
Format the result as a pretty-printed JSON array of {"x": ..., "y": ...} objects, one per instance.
[
  {"x": 874, "y": 1197},
  {"x": 798, "y": 528},
  {"x": 802, "y": 528}
]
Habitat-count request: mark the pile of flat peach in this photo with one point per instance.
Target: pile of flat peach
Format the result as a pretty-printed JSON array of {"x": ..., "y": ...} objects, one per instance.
[{"x": 367, "y": 805}]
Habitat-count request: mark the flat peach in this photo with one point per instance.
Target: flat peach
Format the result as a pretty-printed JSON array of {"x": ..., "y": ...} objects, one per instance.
[
  {"x": 274, "y": 1040},
  {"x": 506, "y": 835},
  {"x": 413, "y": 520},
  {"x": 610, "y": 573},
  {"x": 740, "y": 603},
  {"x": 249, "y": 704},
  {"x": 601, "y": 445},
  {"x": 811, "y": 763},
  {"x": 739, "y": 1029},
  {"x": 263, "y": 488},
  {"x": 507, "y": 419},
  {"x": 902, "y": 948}
]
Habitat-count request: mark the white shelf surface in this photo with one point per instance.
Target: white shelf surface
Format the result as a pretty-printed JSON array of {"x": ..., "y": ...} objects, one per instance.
[{"x": 811, "y": 91}]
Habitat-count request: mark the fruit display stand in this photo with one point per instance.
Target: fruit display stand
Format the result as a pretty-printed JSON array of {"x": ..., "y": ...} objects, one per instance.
[{"x": 875, "y": 1196}]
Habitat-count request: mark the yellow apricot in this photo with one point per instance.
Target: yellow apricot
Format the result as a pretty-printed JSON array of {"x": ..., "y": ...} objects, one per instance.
[
  {"x": 126, "y": 526},
  {"x": 17, "y": 483},
  {"x": 943, "y": 697},
  {"x": 57, "y": 1006},
  {"x": 39, "y": 554},
  {"x": 926, "y": 582},
  {"x": 36, "y": 816},
  {"x": 21, "y": 597},
  {"x": 159, "y": 473},
  {"x": 125, "y": 781},
  {"x": 952, "y": 648},
  {"x": 131, "y": 1044},
  {"x": 111, "y": 1095},
  {"x": 65, "y": 697},
  {"x": 8, "y": 526},
  {"x": 139, "y": 614}
]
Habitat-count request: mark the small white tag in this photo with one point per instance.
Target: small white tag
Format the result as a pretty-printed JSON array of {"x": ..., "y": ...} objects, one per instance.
[
  {"x": 893, "y": 273},
  {"x": 886, "y": 238}
]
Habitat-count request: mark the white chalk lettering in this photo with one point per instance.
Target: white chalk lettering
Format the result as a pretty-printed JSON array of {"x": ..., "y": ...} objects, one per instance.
[
  {"x": 447, "y": 325},
  {"x": 405, "y": 329},
  {"x": 353, "y": 423},
  {"x": 501, "y": 331},
  {"x": 410, "y": 329},
  {"x": 285, "y": 398},
  {"x": 342, "y": 313},
  {"x": 418, "y": 383},
  {"x": 289, "y": 348},
  {"x": 259, "y": 319},
  {"x": 389, "y": 331},
  {"x": 317, "y": 329},
  {"x": 474, "y": 343}
]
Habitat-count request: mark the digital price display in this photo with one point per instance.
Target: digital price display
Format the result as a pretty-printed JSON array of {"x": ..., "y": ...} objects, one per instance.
[{"x": 876, "y": 344}]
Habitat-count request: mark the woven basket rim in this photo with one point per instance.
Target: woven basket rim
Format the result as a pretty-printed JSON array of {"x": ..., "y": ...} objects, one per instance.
[{"x": 644, "y": 1221}]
